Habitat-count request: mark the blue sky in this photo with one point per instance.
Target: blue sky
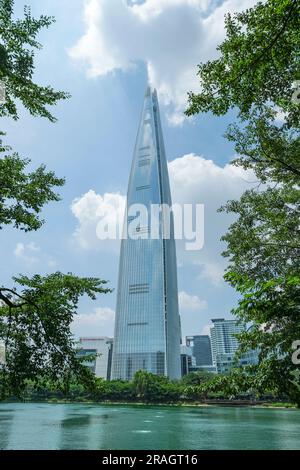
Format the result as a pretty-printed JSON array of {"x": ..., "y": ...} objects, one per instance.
[{"x": 103, "y": 52}]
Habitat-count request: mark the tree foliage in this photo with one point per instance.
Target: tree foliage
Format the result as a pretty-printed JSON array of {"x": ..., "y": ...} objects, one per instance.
[
  {"x": 35, "y": 328},
  {"x": 23, "y": 195},
  {"x": 151, "y": 387},
  {"x": 18, "y": 42},
  {"x": 247, "y": 385},
  {"x": 256, "y": 74},
  {"x": 258, "y": 63},
  {"x": 197, "y": 378}
]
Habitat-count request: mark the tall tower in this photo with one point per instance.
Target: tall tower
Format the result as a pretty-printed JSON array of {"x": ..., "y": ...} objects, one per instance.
[{"x": 147, "y": 327}]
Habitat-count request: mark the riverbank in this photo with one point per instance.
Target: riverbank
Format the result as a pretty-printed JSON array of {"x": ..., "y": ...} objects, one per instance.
[{"x": 204, "y": 404}]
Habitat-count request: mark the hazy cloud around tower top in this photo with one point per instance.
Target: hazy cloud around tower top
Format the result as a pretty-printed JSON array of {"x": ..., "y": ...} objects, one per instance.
[{"x": 170, "y": 36}]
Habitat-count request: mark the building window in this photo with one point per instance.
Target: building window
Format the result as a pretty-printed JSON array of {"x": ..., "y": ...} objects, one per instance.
[
  {"x": 144, "y": 162},
  {"x": 139, "y": 288},
  {"x": 146, "y": 147},
  {"x": 142, "y": 229}
]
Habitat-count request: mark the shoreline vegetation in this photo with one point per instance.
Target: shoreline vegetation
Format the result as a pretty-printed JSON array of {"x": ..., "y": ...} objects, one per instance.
[
  {"x": 240, "y": 388},
  {"x": 180, "y": 404}
]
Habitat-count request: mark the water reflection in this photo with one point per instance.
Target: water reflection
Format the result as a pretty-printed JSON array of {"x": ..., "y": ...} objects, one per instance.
[
  {"x": 6, "y": 419},
  {"x": 86, "y": 429}
]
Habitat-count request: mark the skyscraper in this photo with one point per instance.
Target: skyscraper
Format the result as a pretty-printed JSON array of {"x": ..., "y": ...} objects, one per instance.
[
  {"x": 201, "y": 349},
  {"x": 225, "y": 344},
  {"x": 223, "y": 339},
  {"x": 147, "y": 326}
]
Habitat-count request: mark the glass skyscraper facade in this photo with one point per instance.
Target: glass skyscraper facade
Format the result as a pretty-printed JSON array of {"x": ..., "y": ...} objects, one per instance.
[
  {"x": 225, "y": 344},
  {"x": 201, "y": 349},
  {"x": 147, "y": 326},
  {"x": 223, "y": 339}
]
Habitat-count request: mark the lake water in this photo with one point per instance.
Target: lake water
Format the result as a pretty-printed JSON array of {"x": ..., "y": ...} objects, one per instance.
[{"x": 77, "y": 426}]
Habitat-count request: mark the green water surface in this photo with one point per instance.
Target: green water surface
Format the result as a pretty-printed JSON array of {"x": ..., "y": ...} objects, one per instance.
[{"x": 84, "y": 426}]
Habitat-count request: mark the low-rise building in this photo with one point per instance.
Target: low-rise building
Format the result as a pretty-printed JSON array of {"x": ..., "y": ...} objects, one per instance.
[{"x": 101, "y": 347}]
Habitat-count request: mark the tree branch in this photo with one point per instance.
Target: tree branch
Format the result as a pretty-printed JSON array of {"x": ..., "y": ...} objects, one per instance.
[
  {"x": 8, "y": 302},
  {"x": 29, "y": 302},
  {"x": 258, "y": 59},
  {"x": 268, "y": 157}
]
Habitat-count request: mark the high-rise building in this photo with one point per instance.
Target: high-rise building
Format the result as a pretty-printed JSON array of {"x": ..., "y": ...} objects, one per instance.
[
  {"x": 225, "y": 344},
  {"x": 147, "y": 326},
  {"x": 187, "y": 359},
  {"x": 101, "y": 348},
  {"x": 223, "y": 339},
  {"x": 201, "y": 349}
]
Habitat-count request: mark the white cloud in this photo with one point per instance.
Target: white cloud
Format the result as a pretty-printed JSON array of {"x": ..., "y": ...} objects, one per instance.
[
  {"x": 25, "y": 252},
  {"x": 206, "y": 329},
  {"x": 52, "y": 263},
  {"x": 170, "y": 36},
  {"x": 193, "y": 179},
  {"x": 98, "y": 323},
  {"x": 214, "y": 272},
  {"x": 89, "y": 210},
  {"x": 196, "y": 180},
  {"x": 189, "y": 302},
  {"x": 31, "y": 255}
]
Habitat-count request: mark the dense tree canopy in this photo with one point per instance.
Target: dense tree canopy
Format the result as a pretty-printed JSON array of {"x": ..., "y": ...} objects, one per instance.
[
  {"x": 197, "y": 378},
  {"x": 258, "y": 63},
  {"x": 150, "y": 388},
  {"x": 18, "y": 42},
  {"x": 35, "y": 327},
  {"x": 256, "y": 74}
]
